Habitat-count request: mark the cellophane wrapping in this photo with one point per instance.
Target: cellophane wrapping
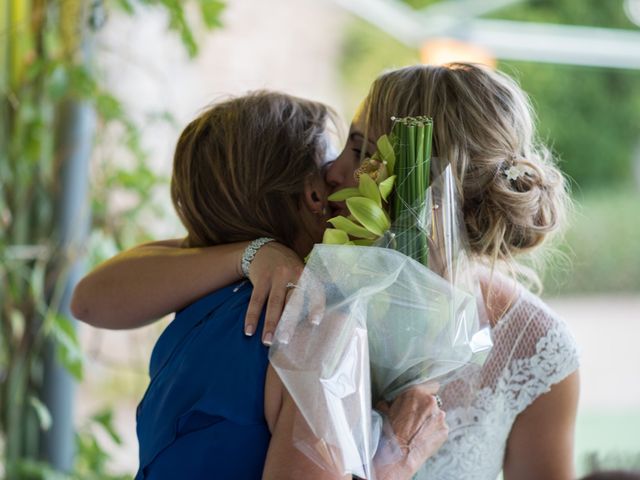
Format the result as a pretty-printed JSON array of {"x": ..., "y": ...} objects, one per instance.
[{"x": 366, "y": 323}]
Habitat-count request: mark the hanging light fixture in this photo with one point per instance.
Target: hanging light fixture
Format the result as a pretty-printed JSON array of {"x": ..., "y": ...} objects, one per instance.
[{"x": 439, "y": 51}]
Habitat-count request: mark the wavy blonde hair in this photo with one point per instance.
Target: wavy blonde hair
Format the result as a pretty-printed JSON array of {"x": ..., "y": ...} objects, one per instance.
[{"x": 483, "y": 125}]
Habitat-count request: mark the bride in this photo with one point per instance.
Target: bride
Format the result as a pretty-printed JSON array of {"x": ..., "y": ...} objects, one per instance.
[{"x": 515, "y": 414}]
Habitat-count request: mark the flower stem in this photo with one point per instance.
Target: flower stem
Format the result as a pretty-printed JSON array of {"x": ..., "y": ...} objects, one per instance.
[{"x": 411, "y": 138}]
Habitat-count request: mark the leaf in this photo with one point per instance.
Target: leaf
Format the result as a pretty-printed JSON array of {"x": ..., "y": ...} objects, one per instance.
[
  {"x": 140, "y": 179},
  {"x": 342, "y": 195},
  {"x": 109, "y": 107},
  {"x": 69, "y": 352},
  {"x": 335, "y": 237},
  {"x": 369, "y": 189},
  {"x": 369, "y": 214},
  {"x": 104, "y": 418},
  {"x": 211, "y": 11},
  {"x": 386, "y": 187},
  {"x": 44, "y": 416},
  {"x": 82, "y": 82},
  {"x": 350, "y": 227},
  {"x": 364, "y": 242},
  {"x": 58, "y": 82},
  {"x": 25, "y": 468},
  {"x": 37, "y": 286},
  {"x": 178, "y": 22},
  {"x": 126, "y": 6},
  {"x": 385, "y": 150}
]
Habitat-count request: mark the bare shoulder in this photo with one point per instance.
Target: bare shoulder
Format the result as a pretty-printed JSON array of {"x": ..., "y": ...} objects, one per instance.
[{"x": 507, "y": 299}]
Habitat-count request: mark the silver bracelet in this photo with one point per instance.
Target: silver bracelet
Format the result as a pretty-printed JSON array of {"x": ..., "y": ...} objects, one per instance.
[{"x": 250, "y": 253}]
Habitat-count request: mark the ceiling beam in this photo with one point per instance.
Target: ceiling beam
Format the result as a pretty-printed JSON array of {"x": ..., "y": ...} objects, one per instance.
[
  {"x": 551, "y": 43},
  {"x": 508, "y": 40}
]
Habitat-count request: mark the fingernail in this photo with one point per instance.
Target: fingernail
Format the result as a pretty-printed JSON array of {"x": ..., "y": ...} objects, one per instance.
[
  {"x": 249, "y": 330},
  {"x": 268, "y": 339},
  {"x": 316, "y": 319}
]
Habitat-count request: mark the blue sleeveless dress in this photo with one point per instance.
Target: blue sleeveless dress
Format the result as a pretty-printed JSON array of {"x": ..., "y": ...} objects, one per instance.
[{"x": 202, "y": 416}]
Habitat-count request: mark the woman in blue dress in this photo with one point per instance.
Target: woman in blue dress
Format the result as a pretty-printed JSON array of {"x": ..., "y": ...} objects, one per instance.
[{"x": 248, "y": 168}]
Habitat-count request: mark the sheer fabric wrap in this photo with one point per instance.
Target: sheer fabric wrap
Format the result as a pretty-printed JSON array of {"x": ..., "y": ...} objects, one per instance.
[{"x": 366, "y": 323}]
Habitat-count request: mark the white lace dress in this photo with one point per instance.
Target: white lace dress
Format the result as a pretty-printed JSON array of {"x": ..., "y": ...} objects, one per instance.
[{"x": 533, "y": 349}]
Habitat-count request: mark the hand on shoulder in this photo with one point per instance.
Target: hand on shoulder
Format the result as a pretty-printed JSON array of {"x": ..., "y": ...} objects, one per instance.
[{"x": 273, "y": 268}]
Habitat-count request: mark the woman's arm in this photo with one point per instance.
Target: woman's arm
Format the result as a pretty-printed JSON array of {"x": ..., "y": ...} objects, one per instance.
[
  {"x": 417, "y": 423},
  {"x": 541, "y": 441},
  {"x": 147, "y": 282},
  {"x": 140, "y": 285},
  {"x": 284, "y": 461}
]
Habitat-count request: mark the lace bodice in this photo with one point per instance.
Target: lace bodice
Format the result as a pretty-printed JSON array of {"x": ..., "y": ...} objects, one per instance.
[{"x": 533, "y": 349}]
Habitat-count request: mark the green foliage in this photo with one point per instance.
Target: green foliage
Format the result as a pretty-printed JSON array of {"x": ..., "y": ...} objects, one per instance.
[
  {"x": 600, "y": 250},
  {"x": 43, "y": 74},
  {"x": 590, "y": 117},
  {"x": 68, "y": 346},
  {"x": 569, "y": 12},
  {"x": 92, "y": 459},
  {"x": 210, "y": 12}
]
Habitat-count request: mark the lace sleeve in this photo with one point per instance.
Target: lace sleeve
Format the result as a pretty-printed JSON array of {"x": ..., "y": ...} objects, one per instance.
[{"x": 541, "y": 352}]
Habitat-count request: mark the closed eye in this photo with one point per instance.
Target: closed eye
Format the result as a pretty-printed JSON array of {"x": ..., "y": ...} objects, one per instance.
[{"x": 358, "y": 153}]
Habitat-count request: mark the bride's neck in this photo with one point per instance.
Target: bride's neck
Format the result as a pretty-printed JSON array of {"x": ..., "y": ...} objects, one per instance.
[{"x": 499, "y": 292}]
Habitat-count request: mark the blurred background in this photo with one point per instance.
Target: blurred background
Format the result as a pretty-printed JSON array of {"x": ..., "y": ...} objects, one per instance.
[{"x": 94, "y": 94}]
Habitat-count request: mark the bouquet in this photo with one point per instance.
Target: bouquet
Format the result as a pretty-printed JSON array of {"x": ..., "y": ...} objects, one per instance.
[
  {"x": 370, "y": 221},
  {"x": 400, "y": 302}
]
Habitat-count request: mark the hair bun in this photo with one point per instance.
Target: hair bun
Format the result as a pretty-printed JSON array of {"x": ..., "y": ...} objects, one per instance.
[{"x": 524, "y": 203}]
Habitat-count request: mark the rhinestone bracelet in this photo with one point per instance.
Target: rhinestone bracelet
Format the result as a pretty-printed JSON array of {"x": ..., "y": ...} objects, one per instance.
[{"x": 250, "y": 252}]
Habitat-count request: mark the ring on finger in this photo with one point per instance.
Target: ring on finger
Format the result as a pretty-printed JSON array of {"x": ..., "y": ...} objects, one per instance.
[
  {"x": 438, "y": 400},
  {"x": 290, "y": 285}
]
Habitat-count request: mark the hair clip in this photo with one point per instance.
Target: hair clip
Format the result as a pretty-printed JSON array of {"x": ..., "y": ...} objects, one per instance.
[{"x": 515, "y": 170}]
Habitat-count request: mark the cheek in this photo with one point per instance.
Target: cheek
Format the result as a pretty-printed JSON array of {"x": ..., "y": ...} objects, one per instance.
[
  {"x": 350, "y": 166},
  {"x": 340, "y": 174}
]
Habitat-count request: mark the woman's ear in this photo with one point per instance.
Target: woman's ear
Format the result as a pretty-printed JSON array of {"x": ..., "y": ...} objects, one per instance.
[{"x": 315, "y": 195}]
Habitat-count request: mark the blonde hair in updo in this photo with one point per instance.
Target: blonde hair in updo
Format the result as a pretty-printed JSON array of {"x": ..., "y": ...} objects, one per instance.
[{"x": 483, "y": 124}]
